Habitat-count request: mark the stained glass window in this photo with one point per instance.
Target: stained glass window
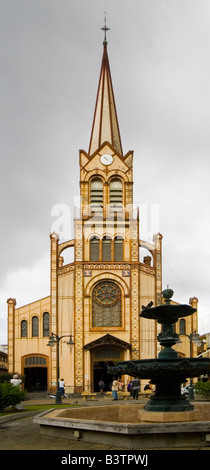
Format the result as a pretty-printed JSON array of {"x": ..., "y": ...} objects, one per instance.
[
  {"x": 46, "y": 324},
  {"x": 35, "y": 327},
  {"x": 182, "y": 326},
  {"x": 24, "y": 329},
  {"x": 106, "y": 305}
]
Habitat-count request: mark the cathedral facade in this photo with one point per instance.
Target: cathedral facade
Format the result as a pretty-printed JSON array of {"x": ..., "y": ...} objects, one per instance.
[{"x": 95, "y": 300}]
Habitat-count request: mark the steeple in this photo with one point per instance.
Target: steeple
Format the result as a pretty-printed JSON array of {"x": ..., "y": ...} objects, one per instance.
[{"x": 105, "y": 123}]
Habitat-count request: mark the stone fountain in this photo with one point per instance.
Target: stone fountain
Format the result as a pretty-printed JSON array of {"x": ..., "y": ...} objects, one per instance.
[
  {"x": 168, "y": 371},
  {"x": 167, "y": 420}
]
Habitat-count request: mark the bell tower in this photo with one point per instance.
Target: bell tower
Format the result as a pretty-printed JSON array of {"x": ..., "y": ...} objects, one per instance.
[{"x": 107, "y": 273}]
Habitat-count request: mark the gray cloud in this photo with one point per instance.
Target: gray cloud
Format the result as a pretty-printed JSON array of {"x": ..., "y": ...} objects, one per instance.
[{"x": 50, "y": 57}]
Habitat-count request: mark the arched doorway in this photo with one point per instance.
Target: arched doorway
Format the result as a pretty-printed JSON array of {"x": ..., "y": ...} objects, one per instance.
[
  {"x": 101, "y": 358},
  {"x": 35, "y": 370},
  {"x": 104, "y": 352}
]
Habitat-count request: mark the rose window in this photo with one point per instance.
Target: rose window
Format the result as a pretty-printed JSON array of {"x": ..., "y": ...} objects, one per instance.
[{"x": 107, "y": 294}]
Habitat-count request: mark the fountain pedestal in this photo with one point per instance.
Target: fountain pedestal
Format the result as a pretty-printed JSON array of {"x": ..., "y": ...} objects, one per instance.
[{"x": 168, "y": 416}]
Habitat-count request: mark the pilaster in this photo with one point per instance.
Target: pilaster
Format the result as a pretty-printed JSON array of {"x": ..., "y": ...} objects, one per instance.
[
  {"x": 54, "y": 300},
  {"x": 11, "y": 335},
  {"x": 78, "y": 306},
  {"x": 158, "y": 266},
  {"x": 193, "y": 301},
  {"x": 135, "y": 286}
]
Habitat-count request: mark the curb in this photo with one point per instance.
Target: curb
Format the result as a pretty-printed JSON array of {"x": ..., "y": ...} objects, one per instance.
[{"x": 13, "y": 417}]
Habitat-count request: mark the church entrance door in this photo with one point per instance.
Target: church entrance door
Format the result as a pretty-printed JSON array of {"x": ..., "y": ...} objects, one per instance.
[
  {"x": 100, "y": 372},
  {"x": 104, "y": 351},
  {"x": 101, "y": 358},
  {"x": 35, "y": 370},
  {"x": 35, "y": 378}
]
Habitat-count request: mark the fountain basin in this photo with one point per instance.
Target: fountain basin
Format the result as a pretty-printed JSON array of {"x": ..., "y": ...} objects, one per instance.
[
  {"x": 167, "y": 374},
  {"x": 123, "y": 426},
  {"x": 166, "y": 368}
]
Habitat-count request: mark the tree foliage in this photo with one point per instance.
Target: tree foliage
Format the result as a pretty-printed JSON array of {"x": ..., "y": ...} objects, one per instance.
[
  {"x": 10, "y": 395},
  {"x": 203, "y": 388},
  {"x": 5, "y": 377}
]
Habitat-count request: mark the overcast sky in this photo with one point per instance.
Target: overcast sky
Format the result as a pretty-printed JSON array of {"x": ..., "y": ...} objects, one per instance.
[{"x": 50, "y": 59}]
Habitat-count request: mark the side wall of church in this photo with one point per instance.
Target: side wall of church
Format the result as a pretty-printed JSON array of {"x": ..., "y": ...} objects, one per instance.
[
  {"x": 18, "y": 346},
  {"x": 148, "y": 342},
  {"x": 66, "y": 322}
]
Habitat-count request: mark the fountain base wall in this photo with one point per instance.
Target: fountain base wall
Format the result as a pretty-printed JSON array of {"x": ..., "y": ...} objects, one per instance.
[{"x": 120, "y": 426}]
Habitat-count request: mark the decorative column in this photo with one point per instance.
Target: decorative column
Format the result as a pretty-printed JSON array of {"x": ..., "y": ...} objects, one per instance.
[
  {"x": 78, "y": 307},
  {"x": 158, "y": 282},
  {"x": 158, "y": 266},
  {"x": 135, "y": 280},
  {"x": 11, "y": 334},
  {"x": 193, "y": 301},
  {"x": 54, "y": 302}
]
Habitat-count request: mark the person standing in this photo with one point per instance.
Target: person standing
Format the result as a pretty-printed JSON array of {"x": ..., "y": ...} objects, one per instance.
[
  {"x": 61, "y": 387},
  {"x": 129, "y": 388},
  {"x": 101, "y": 386},
  {"x": 136, "y": 388},
  {"x": 115, "y": 389},
  {"x": 120, "y": 385},
  {"x": 148, "y": 386}
]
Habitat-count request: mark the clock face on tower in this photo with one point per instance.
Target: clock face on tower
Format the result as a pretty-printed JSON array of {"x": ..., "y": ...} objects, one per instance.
[{"x": 106, "y": 159}]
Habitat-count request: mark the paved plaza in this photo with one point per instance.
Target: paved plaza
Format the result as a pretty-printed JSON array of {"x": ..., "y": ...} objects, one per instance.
[{"x": 24, "y": 434}]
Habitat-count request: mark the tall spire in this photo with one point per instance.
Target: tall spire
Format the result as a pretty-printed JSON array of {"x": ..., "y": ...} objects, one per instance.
[{"x": 105, "y": 123}]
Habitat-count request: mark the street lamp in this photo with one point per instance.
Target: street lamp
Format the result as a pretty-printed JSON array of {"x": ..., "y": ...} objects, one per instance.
[
  {"x": 55, "y": 339},
  {"x": 194, "y": 339}
]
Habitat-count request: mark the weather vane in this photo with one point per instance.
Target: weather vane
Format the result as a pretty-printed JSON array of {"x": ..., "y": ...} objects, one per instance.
[{"x": 105, "y": 29}]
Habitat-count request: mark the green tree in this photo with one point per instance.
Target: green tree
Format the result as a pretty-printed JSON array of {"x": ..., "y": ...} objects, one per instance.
[
  {"x": 203, "y": 388},
  {"x": 5, "y": 377},
  {"x": 10, "y": 395}
]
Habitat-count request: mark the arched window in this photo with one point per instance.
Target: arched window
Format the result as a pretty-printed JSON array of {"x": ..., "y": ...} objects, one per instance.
[
  {"x": 24, "y": 329},
  {"x": 182, "y": 324},
  {"x": 106, "y": 304},
  {"x": 106, "y": 249},
  {"x": 94, "y": 249},
  {"x": 35, "y": 327},
  {"x": 118, "y": 248},
  {"x": 46, "y": 324},
  {"x": 96, "y": 194},
  {"x": 115, "y": 194}
]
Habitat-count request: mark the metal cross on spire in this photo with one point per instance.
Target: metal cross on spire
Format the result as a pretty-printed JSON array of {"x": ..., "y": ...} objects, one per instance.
[{"x": 105, "y": 29}]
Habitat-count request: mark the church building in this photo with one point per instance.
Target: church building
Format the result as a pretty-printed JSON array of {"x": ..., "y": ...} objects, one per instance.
[{"x": 95, "y": 301}]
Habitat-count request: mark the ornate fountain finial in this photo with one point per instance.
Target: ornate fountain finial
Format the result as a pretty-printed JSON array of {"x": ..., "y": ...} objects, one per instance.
[{"x": 167, "y": 294}]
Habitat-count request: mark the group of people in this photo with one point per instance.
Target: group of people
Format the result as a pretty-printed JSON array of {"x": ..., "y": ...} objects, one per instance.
[
  {"x": 133, "y": 388},
  {"x": 117, "y": 385}
]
